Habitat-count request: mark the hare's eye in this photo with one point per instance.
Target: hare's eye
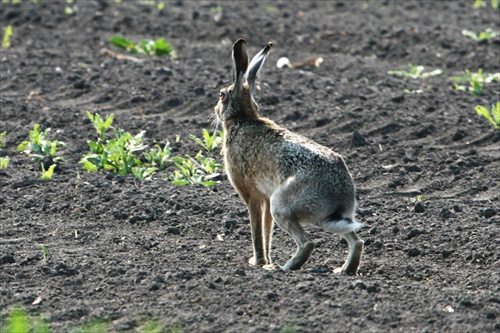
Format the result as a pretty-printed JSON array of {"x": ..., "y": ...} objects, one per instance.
[{"x": 222, "y": 95}]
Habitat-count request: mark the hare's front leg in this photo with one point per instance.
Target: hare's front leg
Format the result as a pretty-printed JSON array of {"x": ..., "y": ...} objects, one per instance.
[
  {"x": 258, "y": 239},
  {"x": 354, "y": 258}
]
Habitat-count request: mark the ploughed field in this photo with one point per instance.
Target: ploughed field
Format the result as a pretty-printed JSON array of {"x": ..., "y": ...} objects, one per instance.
[{"x": 131, "y": 251}]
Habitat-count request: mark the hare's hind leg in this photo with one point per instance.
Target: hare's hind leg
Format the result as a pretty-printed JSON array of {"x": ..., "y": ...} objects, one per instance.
[
  {"x": 258, "y": 239},
  {"x": 288, "y": 222},
  {"x": 355, "y": 250}
]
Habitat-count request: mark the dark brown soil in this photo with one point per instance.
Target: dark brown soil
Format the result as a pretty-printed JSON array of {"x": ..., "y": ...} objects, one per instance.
[{"x": 124, "y": 250}]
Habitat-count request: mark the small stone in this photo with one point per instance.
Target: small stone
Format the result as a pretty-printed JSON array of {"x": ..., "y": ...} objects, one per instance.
[
  {"x": 413, "y": 233},
  {"x": 373, "y": 289},
  {"x": 419, "y": 207},
  {"x": 412, "y": 168},
  {"x": 445, "y": 213},
  {"x": 489, "y": 212},
  {"x": 447, "y": 253},
  {"x": 229, "y": 224},
  {"x": 7, "y": 260},
  {"x": 360, "y": 285},
  {"x": 154, "y": 286},
  {"x": 491, "y": 315},
  {"x": 240, "y": 272},
  {"x": 398, "y": 98},
  {"x": 199, "y": 91},
  {"x": 173, "y": 230},
  {"x": 272, "y": 296},
  {"x": 358, "y": 140},
  {"x": 211, "y": 285},
  {"x": 415, "y": 252},
  {"x": 459, "y": 135},
  {"x": 458, "y": 209},
  {"x": 467, "y": 303}
]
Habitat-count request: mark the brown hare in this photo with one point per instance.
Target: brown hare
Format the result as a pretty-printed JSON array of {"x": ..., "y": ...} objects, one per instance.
[{"x": 282, "y": 176}]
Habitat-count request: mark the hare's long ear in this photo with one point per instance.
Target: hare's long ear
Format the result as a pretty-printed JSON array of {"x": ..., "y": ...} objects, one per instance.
[
  {"x": 256, "y": 64},
  {"x": 240, "y": 63}
]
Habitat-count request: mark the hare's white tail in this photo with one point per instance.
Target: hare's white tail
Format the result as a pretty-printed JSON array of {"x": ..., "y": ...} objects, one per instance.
[{"x": 340, "y": 226}]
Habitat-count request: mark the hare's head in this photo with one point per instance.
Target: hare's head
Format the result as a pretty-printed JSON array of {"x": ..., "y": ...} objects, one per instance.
[{"x": 236, "y": 100}]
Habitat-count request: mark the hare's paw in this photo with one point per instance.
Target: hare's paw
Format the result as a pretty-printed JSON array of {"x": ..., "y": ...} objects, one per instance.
[
  {"x": 254, "y": 261},
  {"x": 271, "y": 267},
  {"x": 345, "y": 270}
]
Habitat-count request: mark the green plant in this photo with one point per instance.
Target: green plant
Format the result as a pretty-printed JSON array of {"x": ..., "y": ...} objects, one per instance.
[
  {"x": 146, "y": 46},
  {"x": 481, "y": 3},
  {"x": 100, "y": 124},
  {"x": 483, "y": 35},
  {"x": 175, "y": 328},
  {"x": 476, "y": 81},
  {"x": 418, "y": 198},
  {"x": 158, "y": 4},
  {"x": 159, "y": 157},
  {"x": 47, "y": 174},
  {"x": 2, "y": 141},
  {"x": 143, "y": 172},
  {"x": 7, "y": 34},
  {"x": 99, "y": 325},
  {"x": 209, "y": 142},
  {"x": 38, "y": 146},
  {"x": 416, "y": 72},
  {"x": 492, "y": 116},
  {"x": 18, "y": 321},
  {"x": 199, "y": 170},
  {"x": 44, "y": 251},
  {"x": 4, "y": 162},
  {"x": 70, "y": 10},
  {"x": 117, "y": 154},
  {"x": 288, "y": 328}
]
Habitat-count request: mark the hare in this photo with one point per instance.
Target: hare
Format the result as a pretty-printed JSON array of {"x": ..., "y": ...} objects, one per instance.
[{"x": 282, "y": 176}]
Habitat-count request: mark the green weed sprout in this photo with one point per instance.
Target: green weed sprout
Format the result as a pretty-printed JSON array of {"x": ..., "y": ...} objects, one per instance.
[
  {"x": 146, "y": 46},
  {"x": 18, "y": 321},
  {"x": 416, "y": 72},
  {"x": 418, "y": 198},
  {"x": 47, "y": 174},
  {"x": 7, "y": 34},
  {"x": 159, "y": 157},
  {"x": 481, "y": 3},
  {"x": 492, "y": 116},
  {"x": 99, "y": 325},
  {"x": 483, "y": 35},
  {"x": 100, "y": 124},
  {"x": 2, "y": 140},
  {"x": 4, "y": 162},
  {"x": 200, "y": 170},
  {"x": 118, "y": 153},
  {"x": 44, "y": 251},
  {"x": 38, "y": 146},
  {"x": 209, "y": 142},
  {"x": 476, "y": 81}
]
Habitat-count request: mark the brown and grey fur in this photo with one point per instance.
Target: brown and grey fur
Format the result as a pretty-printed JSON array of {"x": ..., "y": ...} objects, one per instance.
[{"x": 282, "y": 176}]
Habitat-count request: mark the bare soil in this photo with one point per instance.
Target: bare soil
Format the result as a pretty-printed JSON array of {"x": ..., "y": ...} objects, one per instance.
[{"x": 128, "y": 251}]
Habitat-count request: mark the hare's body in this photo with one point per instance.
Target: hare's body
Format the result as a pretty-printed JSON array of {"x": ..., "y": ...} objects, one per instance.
[{"x": 283, "y": 177}]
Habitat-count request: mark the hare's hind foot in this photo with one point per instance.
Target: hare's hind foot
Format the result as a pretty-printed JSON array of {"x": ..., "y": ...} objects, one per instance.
[
  {"x": 354, "y": 258},
  {"x": 300, "y": 257}
]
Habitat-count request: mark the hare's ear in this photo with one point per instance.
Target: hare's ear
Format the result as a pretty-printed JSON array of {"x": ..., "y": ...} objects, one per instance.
[
  {"x": 240, "y": 63},
  {"x": 256, "y": 64}
]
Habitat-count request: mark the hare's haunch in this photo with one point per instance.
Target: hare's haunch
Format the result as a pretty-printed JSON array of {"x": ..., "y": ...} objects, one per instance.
[{"x": 282, "y": 176}]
